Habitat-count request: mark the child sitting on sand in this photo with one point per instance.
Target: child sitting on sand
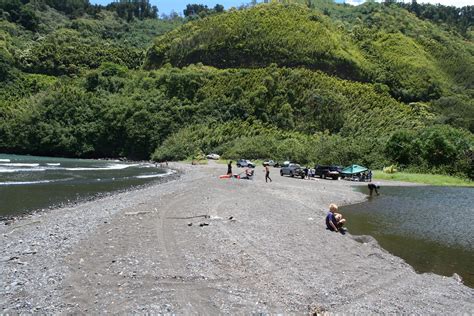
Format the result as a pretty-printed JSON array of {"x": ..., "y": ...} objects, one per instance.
[{"x": 334, "y": 220}]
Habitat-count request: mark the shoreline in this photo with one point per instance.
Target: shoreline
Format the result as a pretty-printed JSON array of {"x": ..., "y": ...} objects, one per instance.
[{"x": 145, "y": 251}]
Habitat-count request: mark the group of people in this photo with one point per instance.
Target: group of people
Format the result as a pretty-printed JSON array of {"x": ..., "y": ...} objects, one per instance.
[
  {"x": 249, "y": 172},
  {"x": 365, "y": 176},
  {"x": 308, "y": 172},
  {"x": 334, "y": 220}
]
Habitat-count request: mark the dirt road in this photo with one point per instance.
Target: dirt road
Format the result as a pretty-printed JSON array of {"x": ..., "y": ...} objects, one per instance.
[{"x": 201, "y": 245}]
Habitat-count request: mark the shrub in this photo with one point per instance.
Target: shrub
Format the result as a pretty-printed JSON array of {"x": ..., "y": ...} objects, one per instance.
[{"x": 390, "y": 169}]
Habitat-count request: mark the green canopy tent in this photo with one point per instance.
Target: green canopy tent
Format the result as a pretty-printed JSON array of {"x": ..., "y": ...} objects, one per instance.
[{"x": 353, "y": 169}]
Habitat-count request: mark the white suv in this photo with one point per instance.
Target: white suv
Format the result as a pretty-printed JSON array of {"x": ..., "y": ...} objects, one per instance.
[{"x": 213, "y": 156}]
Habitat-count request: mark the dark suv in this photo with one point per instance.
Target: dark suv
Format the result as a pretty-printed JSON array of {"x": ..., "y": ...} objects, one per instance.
[{"x": 333, "y": 172}]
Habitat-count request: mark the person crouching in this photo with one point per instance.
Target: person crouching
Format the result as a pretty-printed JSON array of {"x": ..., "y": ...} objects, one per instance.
[{"x": 334, "y": 220}]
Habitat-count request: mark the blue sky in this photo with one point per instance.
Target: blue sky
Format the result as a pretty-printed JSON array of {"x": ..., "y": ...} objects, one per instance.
[{"x": 166, "y": 6}]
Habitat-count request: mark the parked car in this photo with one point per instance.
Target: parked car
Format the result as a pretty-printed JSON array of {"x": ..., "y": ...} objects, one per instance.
[
  {"x": 292, "y": 169},
  {"x": 213, "y": 156},
  {"x": 333, "y": 172},
  {"x": 245, "y": 163},
  {"x": 271, "y": 163}
]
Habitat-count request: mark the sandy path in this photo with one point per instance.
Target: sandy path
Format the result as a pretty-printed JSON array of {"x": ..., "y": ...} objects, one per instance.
[{"x": 275, "y": 255}]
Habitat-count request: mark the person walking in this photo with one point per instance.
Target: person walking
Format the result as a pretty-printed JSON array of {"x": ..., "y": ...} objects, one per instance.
[
  {"x": 267, "y": 174},
  {"x": 229, "y": 168}
]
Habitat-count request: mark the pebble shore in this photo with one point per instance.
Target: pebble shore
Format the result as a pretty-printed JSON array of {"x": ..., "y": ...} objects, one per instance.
[{"x": 199, "y": 244}]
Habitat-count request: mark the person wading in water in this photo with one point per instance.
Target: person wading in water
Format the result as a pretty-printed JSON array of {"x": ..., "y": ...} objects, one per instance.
[{"x": 372, "y": 187}]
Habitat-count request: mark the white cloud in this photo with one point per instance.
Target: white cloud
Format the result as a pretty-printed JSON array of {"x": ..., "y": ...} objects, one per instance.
[{"x": 354, "y": 2}]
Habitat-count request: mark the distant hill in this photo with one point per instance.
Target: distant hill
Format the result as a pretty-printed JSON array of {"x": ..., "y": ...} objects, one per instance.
[
  {"x": 417, "y": 60},
  {"x": 288, "y": 36},
  {"x": 315, "y": 83}
]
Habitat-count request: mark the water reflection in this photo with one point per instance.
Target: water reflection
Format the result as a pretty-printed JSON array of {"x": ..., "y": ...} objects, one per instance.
[{"x": 429, "y": 227}]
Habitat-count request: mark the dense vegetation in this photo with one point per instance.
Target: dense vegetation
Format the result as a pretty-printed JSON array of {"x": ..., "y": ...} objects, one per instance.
[
  {"x": 458, "y": 18},
  {"x": 315, "y": 83}
]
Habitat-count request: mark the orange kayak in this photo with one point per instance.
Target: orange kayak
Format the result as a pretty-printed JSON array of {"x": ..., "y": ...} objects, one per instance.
[{"x": 228, "y": 176}]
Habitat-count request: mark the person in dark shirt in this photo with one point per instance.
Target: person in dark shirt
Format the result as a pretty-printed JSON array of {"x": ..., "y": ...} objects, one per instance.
[
  {"x": 229, "y": 168},
  {"x": 372, "y": 187},
  {"x": 334, "y": 220}
]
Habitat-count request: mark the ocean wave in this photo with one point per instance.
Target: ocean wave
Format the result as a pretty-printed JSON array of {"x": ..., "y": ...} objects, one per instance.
[
  {"x": 110, "y": 167},
  {"x": 24, "y": 182},
  {"x": 4, "y": 170},
  {"x": 146, "y": 176},
  {"x": 159, "y": 175},
  {"x": 53, "y": 164},
  {"x": 4, "y": 160},
  {"x": 17, "y": 164}
]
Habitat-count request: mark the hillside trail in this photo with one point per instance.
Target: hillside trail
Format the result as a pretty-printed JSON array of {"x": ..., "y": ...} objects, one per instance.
[{"x": 211, "y": 246}]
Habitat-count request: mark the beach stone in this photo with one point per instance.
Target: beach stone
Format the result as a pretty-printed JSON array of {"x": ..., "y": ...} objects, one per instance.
[{"x": 273, "y": 262}]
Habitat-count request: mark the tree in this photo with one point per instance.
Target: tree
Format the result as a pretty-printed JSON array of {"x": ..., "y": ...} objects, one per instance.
[
  {"x": 70, "y": 7},
  {"x": 399, "y": 147},
  {"x": 440, "y": 145},
  {"x": 130, "y": 9},
  {"x": 28, "y": 18},
  {"x": 285, "y": 118},
  {"x": 218, "y": 8},
  {"x": 195, "y": 9}
]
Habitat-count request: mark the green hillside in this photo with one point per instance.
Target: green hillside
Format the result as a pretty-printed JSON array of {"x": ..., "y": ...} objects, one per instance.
[
  {"x": 288, "y": 36},
  {"x": 372, "y": 84},
  {"x": 416, "y": 59}
]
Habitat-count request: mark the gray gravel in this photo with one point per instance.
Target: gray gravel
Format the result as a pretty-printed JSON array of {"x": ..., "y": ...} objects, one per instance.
[{"x": 204, "y": 245}]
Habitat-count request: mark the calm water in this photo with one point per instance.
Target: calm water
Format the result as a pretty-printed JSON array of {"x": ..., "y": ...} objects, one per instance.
[
  {"x": 29, "y": 183},
  {"x": 431, "y": 228}
]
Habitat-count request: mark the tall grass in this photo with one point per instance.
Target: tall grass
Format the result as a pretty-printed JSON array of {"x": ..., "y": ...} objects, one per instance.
[{"x": 431, "y": 179}]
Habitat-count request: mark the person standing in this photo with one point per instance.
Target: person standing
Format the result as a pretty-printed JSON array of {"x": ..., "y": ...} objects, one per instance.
[
  {"x": 267, "y": 174},
  {"x": 306, "y": 173},
  {"x": 229, "y": 168}
]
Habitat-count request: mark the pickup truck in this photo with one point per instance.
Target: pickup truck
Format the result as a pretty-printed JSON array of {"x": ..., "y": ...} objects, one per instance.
[
  {"x": 333, "y": 172},
  {"x": 292, "y": 169}
]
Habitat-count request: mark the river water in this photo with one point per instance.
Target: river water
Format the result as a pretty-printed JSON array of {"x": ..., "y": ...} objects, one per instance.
[
  {"x": 431, "y": 228},
  {"x": 30, "y": 183}
]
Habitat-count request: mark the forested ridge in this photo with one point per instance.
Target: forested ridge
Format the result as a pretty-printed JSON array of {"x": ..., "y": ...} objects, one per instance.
[{"x": 314, "y": 82}]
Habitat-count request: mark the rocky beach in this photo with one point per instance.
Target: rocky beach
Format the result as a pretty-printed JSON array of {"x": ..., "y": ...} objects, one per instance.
[{"x": 204, "y": 245}]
